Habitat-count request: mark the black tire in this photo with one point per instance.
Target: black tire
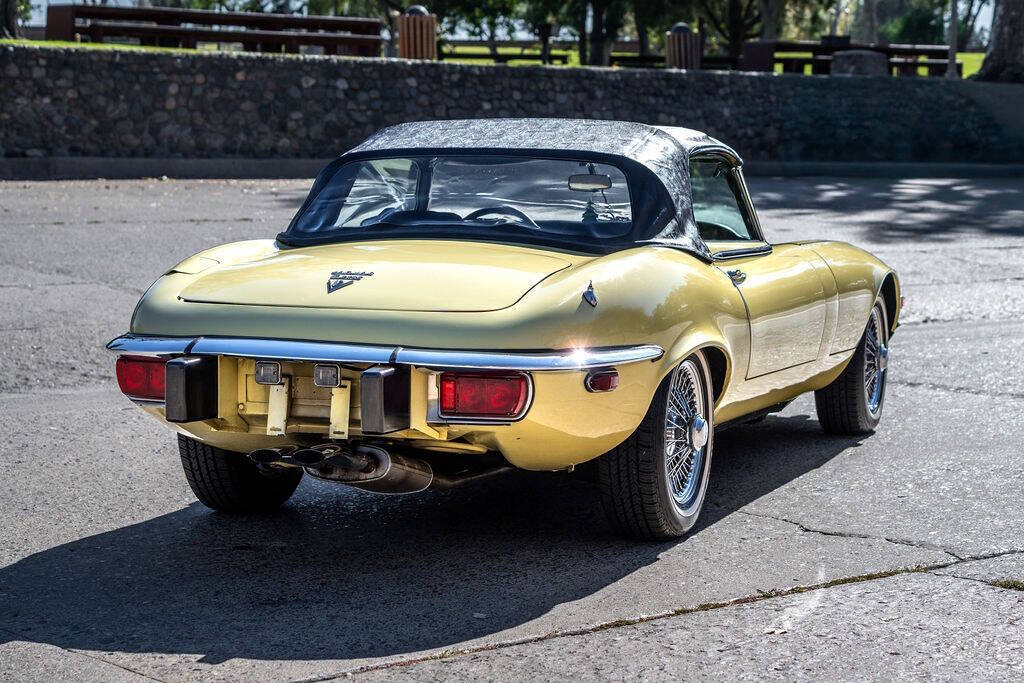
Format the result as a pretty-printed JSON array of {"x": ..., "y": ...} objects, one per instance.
[
  {"x": 844, "y": 407},
  {"x": 229, "y": 482},
  {"x": 633, "y": 478}
]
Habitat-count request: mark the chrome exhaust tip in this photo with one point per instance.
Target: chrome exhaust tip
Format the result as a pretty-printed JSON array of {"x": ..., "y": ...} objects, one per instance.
[
  {"x": 270, "y": 456},
  {"x": 308, "y": 457},
  {"x": 372, "y": 468}
]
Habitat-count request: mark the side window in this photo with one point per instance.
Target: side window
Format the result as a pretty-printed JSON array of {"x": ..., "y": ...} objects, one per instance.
[{"x": 715, "y": 206}]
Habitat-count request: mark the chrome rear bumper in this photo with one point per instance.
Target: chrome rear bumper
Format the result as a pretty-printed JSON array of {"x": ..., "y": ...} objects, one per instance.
[{"x": 329, "y": 352}]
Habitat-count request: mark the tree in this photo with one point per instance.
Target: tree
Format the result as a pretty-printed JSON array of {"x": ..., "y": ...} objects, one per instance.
[
  {"x": 483, "y": 20},
  {"x": 735, "y": 21},
  {"x": 772, "y": 13},
  {"x": 9, "y": 13},
  {"x": 607, "y": 18},
  {"x": 543, "y": 17},
  {"x": 921, "y": 24},
  {"x": 969, "y": 11},
  {"x": 1004, "y": 60},
  {"x": 648, "y": 15},
  {"x": 576, "y": 11}
]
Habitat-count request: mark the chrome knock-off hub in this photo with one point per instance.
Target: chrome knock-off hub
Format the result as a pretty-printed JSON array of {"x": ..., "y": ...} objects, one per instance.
[{"x": 698, "y": 432}]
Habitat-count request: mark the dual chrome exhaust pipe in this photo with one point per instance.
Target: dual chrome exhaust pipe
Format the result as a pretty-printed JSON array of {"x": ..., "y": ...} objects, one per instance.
[
  {"x": 311, "y": 456},
  {"x": 367, "y": 467}
]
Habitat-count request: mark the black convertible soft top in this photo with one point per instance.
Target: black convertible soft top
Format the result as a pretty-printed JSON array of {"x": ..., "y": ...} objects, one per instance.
[{"x": 664, "y": 151}]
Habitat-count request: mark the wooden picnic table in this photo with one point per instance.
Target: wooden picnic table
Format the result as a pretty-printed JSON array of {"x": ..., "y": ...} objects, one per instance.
[{"x": 168, "y": 26}]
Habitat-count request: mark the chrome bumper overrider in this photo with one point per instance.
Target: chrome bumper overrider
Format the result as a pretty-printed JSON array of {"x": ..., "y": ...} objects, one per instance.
[{"x": 283, "y": 349}]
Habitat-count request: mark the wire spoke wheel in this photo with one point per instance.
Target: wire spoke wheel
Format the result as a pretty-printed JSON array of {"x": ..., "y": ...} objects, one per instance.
[
  {"x": 686, "y": 433},
  {"x": 875, "y": 361},
  {"x": 852, "y": 403},
  {"x": 653, "y": 484}
]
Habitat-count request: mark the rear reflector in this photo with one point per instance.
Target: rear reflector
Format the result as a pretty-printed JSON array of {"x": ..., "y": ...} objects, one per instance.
[
  {"x": 601, "y": 380},
  {"x": 485, "y": 395},
  {"x": 141, "y": 377}
]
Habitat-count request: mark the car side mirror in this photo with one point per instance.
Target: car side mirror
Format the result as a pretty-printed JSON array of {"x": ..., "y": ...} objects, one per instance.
[{"x": 589, "y": 182}]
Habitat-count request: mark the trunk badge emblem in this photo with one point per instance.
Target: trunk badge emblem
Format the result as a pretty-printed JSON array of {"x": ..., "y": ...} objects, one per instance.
[{"x": 343, "y": 278}]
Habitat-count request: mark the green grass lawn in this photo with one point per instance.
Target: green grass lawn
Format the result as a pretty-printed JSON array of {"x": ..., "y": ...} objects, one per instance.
[
  {"x": 91, "y": 46},
  {"x": 464, "y": 52},
  {"x": 971, "y": 61}
]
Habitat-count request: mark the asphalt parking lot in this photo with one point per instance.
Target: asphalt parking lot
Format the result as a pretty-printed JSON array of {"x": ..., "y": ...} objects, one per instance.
[{"x": 897, "y": 554}]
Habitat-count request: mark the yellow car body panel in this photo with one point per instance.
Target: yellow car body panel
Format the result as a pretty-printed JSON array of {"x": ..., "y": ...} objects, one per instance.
[{"x": 789, "y": 328}]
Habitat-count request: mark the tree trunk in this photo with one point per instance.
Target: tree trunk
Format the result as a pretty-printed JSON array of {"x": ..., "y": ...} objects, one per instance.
[
  {"x": 1004, "y": 60},
  {"x": 9, "y": 27},
  {"x": 767, "y": 8},
  {"x": 735, "y": 25},
  {"x": 837, "y": 11},
  {"x": 954, "y": 24},
  {"x": 544, "y": 34},
  {"x": 642, "y": 39},
  {"x": 597, "y": 38},
  {"x": 582, "y": 29},
  {"x": 870, "y": 21},
  {"x": 492, "y": 36}
]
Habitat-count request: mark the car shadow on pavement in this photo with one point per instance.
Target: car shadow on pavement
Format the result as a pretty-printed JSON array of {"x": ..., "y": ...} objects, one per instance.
[{"x": 340, "y": 574}]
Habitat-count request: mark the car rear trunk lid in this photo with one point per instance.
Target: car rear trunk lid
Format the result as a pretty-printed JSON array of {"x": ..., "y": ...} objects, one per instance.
[{"x": 400, "y": 275}]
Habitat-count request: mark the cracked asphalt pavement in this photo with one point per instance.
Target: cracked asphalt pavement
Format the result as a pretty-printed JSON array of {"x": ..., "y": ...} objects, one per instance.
[{"x": 896, "y": 555}]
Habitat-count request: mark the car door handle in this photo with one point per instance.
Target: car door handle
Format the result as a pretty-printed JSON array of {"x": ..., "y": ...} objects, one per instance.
[{"x": 738, "y": 276}]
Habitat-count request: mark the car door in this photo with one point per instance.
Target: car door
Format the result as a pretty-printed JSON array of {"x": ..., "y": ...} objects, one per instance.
[{"x": 781, "y": 285}]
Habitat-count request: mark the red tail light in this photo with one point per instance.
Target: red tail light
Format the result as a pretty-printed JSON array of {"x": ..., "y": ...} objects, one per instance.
[
  {"x": 487, "y": 395},
  {"x": 141, "y": 377}
]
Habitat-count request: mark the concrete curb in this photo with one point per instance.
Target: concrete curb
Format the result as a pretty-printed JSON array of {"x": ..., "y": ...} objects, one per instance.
[
  {"x": 882, "y": 169},
  {"x": 71, "y": 168},
  {"x": 82, "y": 168}
]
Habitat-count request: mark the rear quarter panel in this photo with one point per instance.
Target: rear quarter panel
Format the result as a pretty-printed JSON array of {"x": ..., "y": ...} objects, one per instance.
[{"x": 859, "y": 277}]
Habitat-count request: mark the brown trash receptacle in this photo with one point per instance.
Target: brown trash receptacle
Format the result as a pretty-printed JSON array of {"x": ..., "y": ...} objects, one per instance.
[
  {"x": 682, "y": 49},
  {"x": 417, "y": 36}
]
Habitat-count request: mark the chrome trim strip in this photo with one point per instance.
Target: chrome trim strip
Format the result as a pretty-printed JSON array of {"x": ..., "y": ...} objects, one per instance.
[
  {"x": 580, "y": 359},
  {"x": 149, "y": 346},
  {"x": 147, "y": 402},
  {"x": 280, "y": 349},
  {"x": 330, "y": 352},
  {"x": 740, "y": 253}
]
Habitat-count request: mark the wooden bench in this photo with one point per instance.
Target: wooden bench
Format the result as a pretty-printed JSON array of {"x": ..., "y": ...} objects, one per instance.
[
  {"x": 637, "y": 61},
  {"x": 505, "y": 58},
  {"x": 173, "y": 27},
  {"x": 761, "y": 55}
]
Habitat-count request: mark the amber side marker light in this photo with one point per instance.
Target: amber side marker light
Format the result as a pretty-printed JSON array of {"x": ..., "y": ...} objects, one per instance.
[
  {"x": 487, "y": 395},
  {"x": 601, "y": 380},
  {"x": 143, "y": 378}
]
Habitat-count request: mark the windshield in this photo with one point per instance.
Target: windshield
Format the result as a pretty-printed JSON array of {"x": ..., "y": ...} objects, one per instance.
[{"x": 492, "y": 197}]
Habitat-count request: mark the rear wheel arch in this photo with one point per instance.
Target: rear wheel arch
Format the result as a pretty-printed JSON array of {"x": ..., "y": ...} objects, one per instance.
[
  {"x": 889, "y": 291},
  {"x": 718, "y": 365},
  {"x": 715, "y": 354}
]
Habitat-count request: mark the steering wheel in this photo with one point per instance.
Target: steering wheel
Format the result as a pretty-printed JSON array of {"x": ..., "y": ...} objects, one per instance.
[
  {"x": 507, "y": 210},
  {"x": 710, "y": 230}
]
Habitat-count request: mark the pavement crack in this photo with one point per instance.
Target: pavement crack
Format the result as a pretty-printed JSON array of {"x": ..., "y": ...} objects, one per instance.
[
  {"x": 959, "y": 390},
  {"x": 921, "y": 545},
  {"x": 82, "y": 653},
  {"x": 633, "y": 621}
]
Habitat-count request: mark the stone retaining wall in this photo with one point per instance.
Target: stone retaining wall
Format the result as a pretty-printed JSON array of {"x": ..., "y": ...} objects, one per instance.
[{"x": 121, "y": 103}]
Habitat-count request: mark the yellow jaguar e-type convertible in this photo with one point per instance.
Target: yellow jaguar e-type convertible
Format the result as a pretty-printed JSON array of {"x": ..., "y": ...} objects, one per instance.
[{"x": 457, "y": 297}]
